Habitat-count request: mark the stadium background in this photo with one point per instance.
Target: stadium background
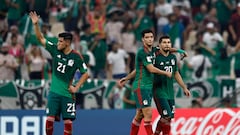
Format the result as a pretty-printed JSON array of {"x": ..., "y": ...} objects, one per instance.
[{"x": 22, "y": 100}]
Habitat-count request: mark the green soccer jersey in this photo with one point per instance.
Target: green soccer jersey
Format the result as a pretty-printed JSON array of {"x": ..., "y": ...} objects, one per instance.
[
  {"x": 163, "y": 86},
  {"x": 63, "y": 69},
  {"x": 143, "y": 78}
]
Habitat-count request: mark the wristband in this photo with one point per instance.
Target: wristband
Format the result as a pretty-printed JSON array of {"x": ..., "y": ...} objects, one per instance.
[{"x": 180, "y": 51}]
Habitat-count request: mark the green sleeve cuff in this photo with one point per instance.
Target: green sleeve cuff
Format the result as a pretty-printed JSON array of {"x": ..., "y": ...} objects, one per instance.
[{"x": 180, "y": 51}]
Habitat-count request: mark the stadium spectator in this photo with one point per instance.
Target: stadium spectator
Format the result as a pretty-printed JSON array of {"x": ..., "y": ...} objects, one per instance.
[
  {"x": 162, "y": 10},
  {"x": 141, "y": 22},
  {"x": 14, "y": 31},
  {"x": 99, "y": 49},
  {"x": 42, "y": 7},
  {"x": 118, "y": 62},
  {"x": 196, "y": 62},
  {"x": 234, "y": 31},
  {"x": 14, "y": 12},
  {"x": 3, "y": 27},
  {"x": 114, "y": 27},
  {"x": 8, "y": 63},
  {"x": 36, "y": 63},
  {"x": 224, "y": 10},
  {"x": 17, "y": 51},
  {"x": 97, "y": 20}
]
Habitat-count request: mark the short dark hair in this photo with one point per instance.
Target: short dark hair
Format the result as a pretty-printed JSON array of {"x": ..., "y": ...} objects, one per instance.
[
  {"x": 146, "y": 31},
  {"x": 163, "y": 37},
  {"x": 66, "y": 35}
]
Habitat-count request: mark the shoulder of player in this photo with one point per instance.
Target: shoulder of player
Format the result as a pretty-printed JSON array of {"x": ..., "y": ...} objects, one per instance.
[
  {"x": 49, "y": 42},
  {"x": 76, "y": 53}
]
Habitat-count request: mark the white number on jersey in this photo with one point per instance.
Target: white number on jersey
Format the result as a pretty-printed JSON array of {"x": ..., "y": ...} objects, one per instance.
[
  {"x": 71, "y": 107},
  {"x": 168, "y": 68},
  {"x": 61, "y": 67}
]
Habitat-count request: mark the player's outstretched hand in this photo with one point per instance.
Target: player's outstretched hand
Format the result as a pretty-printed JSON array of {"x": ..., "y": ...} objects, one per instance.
[
  {"x": 34, "y": 17},
  {"x": 122, "y": 81},
  {"x": 183, "y": 55},
  {"x": 72, "y": 89},
  {"x": 187, "y": 92},
  {"x": 169, "y": 74}
]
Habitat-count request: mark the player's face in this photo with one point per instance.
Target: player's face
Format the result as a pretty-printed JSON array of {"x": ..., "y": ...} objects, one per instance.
[
  {"x": 61, "y": 44},
  {"x": 148, "y": 39},
  {"x": 166, "y": 44}
]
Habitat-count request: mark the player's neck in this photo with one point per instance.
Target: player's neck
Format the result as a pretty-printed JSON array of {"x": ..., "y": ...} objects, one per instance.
[
  {"x": 164, "y": 53},
  {"x": 149, "y": 48},
  {"x": 67, "y": 50}
]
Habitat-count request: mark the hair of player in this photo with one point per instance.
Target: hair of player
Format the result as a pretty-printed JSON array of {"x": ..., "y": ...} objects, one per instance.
[
  {"x": 66, "y": 35},
  {"x": 146, "y": 31},
  {"x": 163, "y": 37}
]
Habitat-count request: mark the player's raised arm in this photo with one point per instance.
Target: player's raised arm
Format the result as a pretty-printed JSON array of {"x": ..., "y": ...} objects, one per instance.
[
  {"x": 34, "y": 17},
  {"x": 180, "y": 51}
]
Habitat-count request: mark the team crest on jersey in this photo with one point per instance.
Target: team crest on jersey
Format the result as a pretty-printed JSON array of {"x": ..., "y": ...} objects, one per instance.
[
  {"x": 172, "y": 61},
  {"x": 70, "y": 63},
  {"x": 59, "y": 56},
  {"x": 145, "y": 102}
]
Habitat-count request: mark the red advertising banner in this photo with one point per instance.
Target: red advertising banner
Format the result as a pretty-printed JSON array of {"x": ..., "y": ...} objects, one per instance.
[{"x": 209, "y": 121}]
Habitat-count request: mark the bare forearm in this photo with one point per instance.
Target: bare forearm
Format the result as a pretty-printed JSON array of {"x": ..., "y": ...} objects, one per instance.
[
  {"x": 155, "y": 70},
  {"x": 179, "y": 80},
  {"x": 131, "y": 75},
  {"x": 39, "y": 34},
  {"x": 82, "y": 80}
]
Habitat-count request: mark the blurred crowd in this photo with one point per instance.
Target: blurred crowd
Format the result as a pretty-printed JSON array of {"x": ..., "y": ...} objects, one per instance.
[{"x": 107, "y": 33}]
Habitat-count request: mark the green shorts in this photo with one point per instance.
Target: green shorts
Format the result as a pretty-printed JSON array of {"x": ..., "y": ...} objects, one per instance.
[
  {"x": 143, "y": 97},
  {"x": 165, "y": 107},
  {"x": 60, "y": 105}
]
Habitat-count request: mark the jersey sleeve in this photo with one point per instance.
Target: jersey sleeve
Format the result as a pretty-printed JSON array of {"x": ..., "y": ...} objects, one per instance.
[
  {"x": 81, "y": 65},
  {"x": 176, "y": 63},
  {"x": 51, "y": 47}
]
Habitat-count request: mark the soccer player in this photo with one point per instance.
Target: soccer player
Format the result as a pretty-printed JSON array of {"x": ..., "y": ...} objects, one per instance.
[
  {"x": 61, "y": 98},
  {"x": 143, "y": 83},
  {"x": 163, "y": 91}
]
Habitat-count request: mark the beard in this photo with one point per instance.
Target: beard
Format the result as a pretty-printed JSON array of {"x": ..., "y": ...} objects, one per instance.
[{"x": 166, "y": 50}]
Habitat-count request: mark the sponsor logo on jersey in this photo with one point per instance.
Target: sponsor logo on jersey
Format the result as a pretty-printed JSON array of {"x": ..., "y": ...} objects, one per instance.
[
  {"x": 172, "y": 61},
  {"x": 70, "y": 63},
  {"x": 161, "y": 63}
]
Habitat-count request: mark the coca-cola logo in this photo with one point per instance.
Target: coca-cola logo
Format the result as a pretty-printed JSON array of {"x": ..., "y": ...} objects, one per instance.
[{"x": 205, "y": 122}]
